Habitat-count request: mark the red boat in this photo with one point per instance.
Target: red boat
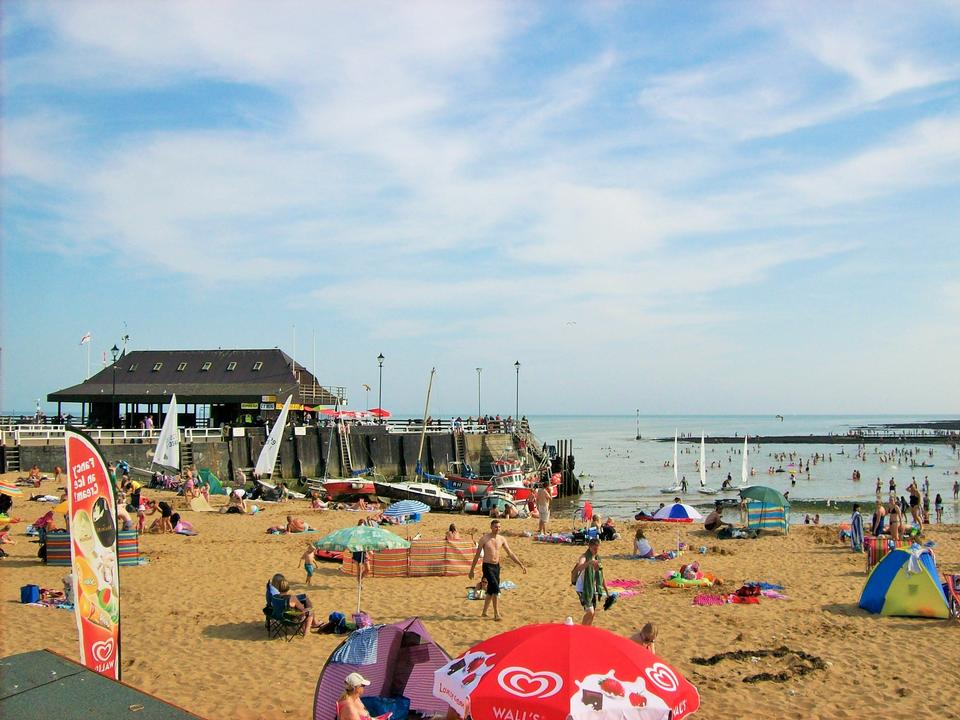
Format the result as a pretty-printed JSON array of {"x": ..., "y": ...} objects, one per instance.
[{"x": 347, "y": 488}]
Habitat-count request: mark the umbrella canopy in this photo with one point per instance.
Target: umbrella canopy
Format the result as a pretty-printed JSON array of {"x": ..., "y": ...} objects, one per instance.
[
  {"x": 678, "y": 511},
  {"x": 765, "y": 494},
  {"x": 360, "y": 538},
  {"x": 406, "y": 507},
  {"x": 380, "y": 413},
  {"x": 10, "y": 489},
  {"x": 557, "y": 671}
]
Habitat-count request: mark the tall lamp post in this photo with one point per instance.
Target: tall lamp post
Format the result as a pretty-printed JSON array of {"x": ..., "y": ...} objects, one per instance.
[
  {"x": 479, "y": 370},
  {"x": 114, "y": 352},
  {"x": 380, "y": 360},
  {"x": 517, "y": 413}
]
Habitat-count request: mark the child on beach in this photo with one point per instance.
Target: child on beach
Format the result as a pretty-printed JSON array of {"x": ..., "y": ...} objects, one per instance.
[
  {"x": 309, "y": 560},
  {"x": 647, "y": 637}
]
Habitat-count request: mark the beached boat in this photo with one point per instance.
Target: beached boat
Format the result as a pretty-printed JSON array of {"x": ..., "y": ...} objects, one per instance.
[
  {"x": 434, "y": 496},
  {"x": 503, "y": 502},
  {"x": 345, "y": 488},
  {"x": 704, "y": 490}
]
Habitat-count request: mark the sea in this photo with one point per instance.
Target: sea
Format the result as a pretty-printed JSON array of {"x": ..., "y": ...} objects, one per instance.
[{"x": 621, "y": 475}]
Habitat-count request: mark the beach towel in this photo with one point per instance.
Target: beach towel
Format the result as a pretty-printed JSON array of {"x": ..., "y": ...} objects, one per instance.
[
  {"x": 358, "y": 649},
  {"x": 709, "y": 599},
  {"x": 856, "y": 531}
]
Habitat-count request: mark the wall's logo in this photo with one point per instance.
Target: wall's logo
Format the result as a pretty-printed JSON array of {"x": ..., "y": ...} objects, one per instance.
[
  {"x": 526, "y": 683},
  {"x": 663, "y": 677},
  {"x": 102, "y": 650}
]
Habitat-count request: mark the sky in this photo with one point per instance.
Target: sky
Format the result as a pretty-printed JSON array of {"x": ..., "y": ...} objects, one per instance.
[{"x": 717, "y": 207}]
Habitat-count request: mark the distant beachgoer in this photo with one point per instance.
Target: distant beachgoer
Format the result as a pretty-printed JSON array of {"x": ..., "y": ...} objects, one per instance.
[
  {"x": 956, "y": 489},
  {"x": 856, "y": 529},
  {"x": 309, "y": 560},
  {"x": 714, "y": 521},
  {"x": 806, "y": 519},
  {"x": 452, "y": 533},
  {"x": 236, "y": 504},
  {"x": 641, "y": 546},
  {"x": 587, "y": 578},
  {"x": 915, "y": 504},
  {"x": 816, "y": 519},
  {"x": 683, "y": 484},
  {"x": 895, "y": 514},
  {"x": 164, "y": 523},
  {"x": 647, "y": 637},
  {"x": 543, "y": 508},
  {"x": 876, "y": 523},
  {"x": 296, "y": 525},
  {"x": 490, "y": 546},
  {"x": 938, "y": 508}
]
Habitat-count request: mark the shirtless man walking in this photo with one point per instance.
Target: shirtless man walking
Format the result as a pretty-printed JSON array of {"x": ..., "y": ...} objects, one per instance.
[
  {"x": 490, "y": 546},
  {"x": 543, "y": 508}
]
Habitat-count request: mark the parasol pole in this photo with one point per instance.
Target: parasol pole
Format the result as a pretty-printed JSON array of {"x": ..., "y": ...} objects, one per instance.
[
  {"x": 423, "y": 426},
  {"x": 360, "y": 582}
]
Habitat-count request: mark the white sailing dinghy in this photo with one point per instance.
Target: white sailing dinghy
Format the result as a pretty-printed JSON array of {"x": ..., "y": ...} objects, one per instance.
[
  {"x": 704, "y": 490},
  {"x": 167, "y": 452},
  {"x": 267, "y": 459},
  {"x": 677, "y": 487},
  {"x": 745, "y": 466}
]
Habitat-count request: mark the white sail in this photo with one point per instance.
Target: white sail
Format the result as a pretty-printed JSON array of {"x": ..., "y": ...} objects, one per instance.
[
  {"x": 703, "y": 463},
  {"x": 167, "y": 452},
  {"x": 271, "y": 448},
  {"x": 676, "y": 480},
  {"x": 745, "y": 467}
]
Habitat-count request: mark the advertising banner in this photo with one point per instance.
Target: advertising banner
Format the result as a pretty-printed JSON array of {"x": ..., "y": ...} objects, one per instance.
[{"x": 92, "y": 510}]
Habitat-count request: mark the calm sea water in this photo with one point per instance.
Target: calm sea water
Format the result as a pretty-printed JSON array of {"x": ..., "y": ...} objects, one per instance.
[{"x": 628, "y": 474}]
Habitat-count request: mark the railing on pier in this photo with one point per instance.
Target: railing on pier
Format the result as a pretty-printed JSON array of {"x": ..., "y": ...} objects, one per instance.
[{"x": 48, "y": 434}]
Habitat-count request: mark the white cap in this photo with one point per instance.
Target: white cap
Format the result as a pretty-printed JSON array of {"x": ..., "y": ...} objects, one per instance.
[{"x": 355, "y": 680}]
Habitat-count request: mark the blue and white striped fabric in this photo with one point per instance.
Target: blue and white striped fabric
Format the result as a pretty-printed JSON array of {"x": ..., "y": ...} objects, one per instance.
[{"x": 406, "y": 507}]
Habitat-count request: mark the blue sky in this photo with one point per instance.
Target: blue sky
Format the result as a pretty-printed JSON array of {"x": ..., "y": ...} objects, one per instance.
[{"x": 677, "y": 207}]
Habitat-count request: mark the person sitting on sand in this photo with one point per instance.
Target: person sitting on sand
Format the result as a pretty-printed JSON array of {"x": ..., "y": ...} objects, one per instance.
[
  {"x": 647, "y": 637},
  {"x": 641, "y": 546},
  {"x": 316, "y": 502},
  {"x": 714, "y": 521},
  {"x": 236, "y": 504},
  {"x": 452, "y": 533},
  {"x": 349, "y": 706},
  {"x": 296, "y": 525}
]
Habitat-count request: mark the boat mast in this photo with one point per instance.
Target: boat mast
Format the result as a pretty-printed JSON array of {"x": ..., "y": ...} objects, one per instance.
[{"x": 423, "y": 426}]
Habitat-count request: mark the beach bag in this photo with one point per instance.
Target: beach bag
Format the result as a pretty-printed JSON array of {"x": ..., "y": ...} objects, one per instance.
[
  {"x": 30, "y": 594},
  {"x": 398, "y": 707}
]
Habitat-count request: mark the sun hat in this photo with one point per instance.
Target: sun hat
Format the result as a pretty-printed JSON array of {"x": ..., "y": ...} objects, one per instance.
[{"x": 355, "y": 680}]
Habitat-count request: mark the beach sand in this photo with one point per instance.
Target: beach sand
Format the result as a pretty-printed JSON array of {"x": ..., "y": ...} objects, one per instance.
[{"x": 193, "y": 631}]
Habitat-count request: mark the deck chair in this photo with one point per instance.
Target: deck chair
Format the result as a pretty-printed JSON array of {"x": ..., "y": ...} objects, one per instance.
[
  {"x": 952, "y": 590},
  {"x": 281, "y": 621}
]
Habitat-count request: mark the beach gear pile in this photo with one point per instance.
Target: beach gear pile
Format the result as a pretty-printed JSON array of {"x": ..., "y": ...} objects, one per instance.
[{"x": 749, "y": 593}]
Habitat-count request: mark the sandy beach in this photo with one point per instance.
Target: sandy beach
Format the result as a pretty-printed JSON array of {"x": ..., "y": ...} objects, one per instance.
[{"x": 193, "y": 631}]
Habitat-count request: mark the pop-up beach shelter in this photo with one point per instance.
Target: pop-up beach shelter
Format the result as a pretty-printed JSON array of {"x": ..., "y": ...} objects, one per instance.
[
  {"x": 767, "y": 508},
  {"x": 399, "y": 660},
  {"x": 905, "y": 582}
]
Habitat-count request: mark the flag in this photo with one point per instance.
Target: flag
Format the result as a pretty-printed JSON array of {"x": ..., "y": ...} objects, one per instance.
[
  {"x": 92, "y": 510},
  {"x": 85, "y": 339}
]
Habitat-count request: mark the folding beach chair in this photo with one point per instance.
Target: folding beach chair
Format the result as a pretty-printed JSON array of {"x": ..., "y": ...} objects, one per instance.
[
  {"x": 282, "y": 621},
  {"x": 952, "y": 590}
]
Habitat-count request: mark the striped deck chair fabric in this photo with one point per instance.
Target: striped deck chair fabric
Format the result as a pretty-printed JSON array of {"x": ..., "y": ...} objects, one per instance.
[
  {"x": 128, "y": 547},
  {"x": 877, "y": 551},
  {"x": 762, "y": 516},
  {"x": 58, "y": 549}
]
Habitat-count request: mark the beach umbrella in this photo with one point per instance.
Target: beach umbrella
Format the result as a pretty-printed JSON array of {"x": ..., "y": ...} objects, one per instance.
[
  {"x": 764, "y": 494},
  {"x": 360, "y": 538},
  {"x": 556, "y": 671},
  {"x": 8, "y": 488},
  {"x": 406, "y": 507},
  {"x": 380, "y": 413},
  {"x": 678, "y": 512}
]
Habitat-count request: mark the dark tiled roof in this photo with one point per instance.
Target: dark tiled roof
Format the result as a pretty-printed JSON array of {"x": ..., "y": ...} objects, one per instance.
[{"x": 202, "y": 376}]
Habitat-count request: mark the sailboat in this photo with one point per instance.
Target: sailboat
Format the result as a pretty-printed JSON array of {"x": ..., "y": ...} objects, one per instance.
[
  {"x": 167, "y": 452},
  {"x": 267, "y": 459},
  {"x": 677, "y": 487},
  {"x": 704, "y": 490}
]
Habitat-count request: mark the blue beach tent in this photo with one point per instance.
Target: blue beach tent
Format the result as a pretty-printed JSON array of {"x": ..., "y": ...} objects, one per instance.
[{"x": 905, "y": 583}]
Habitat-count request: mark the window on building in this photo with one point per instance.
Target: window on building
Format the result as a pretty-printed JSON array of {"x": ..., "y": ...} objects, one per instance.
[
  {"x": 206, "y": 366},
  {"x": 231, "y": 366},
  {"x": 180, "y": 368},
  {"x": 258, "y": 365},
  {"x": 133, "y": 366},
  {"x": 157, "y": 366}
]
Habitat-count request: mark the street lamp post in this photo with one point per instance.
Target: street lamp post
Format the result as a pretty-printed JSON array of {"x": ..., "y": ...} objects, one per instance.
[
  {"x": 517, "y": 412},
  {"x": 479, "y": 370},
  {"x": 114, "y": 351},
  {"x": 380, "y": 360}
]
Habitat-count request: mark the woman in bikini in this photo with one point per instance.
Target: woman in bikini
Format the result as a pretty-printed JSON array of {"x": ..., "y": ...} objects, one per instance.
[{"x": 896, "y": 520}]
